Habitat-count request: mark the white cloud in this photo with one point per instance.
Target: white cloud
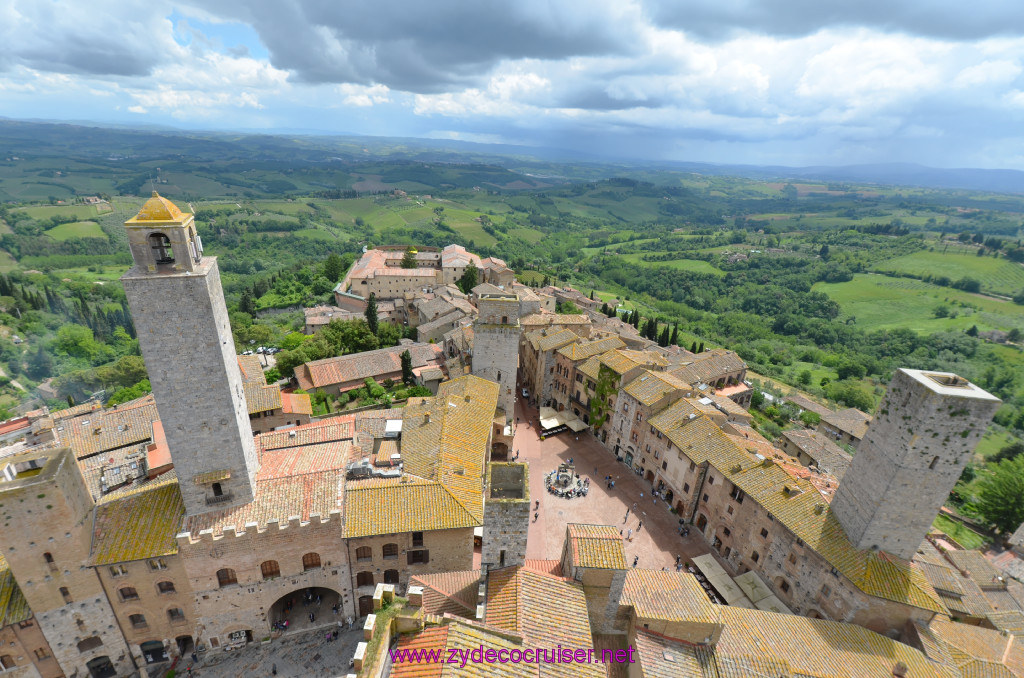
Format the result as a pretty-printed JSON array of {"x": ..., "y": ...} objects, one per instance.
[
  {"x": 363, "y": 96},
  {"x": 138, "y": 109}
]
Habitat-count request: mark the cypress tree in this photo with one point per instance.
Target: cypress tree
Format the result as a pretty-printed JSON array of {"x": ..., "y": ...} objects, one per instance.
[{"x": 674, "y": 340}]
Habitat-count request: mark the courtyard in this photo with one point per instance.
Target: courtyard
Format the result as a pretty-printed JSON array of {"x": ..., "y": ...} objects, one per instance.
[{"x": 656, "y": 543}]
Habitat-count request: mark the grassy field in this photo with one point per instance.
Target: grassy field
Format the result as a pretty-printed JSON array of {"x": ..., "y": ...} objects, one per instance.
[
  {"x": 967, "y": 538},
  {"x": 47, "y": 211},
  {"x": 992, "y": 442},
  {"x": 695, "y": 265},
  {"x": 996, "y": 275},
  {"x": 530, "y": 235},
  {"x": 880, "y": 302},
  {"x": 77, "y": 229}
]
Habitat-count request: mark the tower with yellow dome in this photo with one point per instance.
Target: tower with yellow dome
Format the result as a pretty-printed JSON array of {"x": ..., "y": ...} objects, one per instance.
[{"x": 177, "y": 303}]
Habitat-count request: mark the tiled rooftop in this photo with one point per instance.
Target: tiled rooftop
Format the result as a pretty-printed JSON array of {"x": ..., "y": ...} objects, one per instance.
[
  {"x": 588, "y": 349},
  {"x": 711, "y": 366},
  {"x": 138, "y": 524},
  {"x": 597, "y": 546},
  {"x": 313, "y": 433},
  {"x": 111, "y": 428},
  {"x": 850, "y": 420},
  {"x": 650, "y": 387},
  {"x": 975, "y": 652},
  {"x": 669, "y": 596},
  {"x": 13, "y": 606},
  {"x": 251, "y": 369},
  {"x": 449, "y": 592},
  {"x": 359, "y": 366},
  {"x": 261, "y": 397}
]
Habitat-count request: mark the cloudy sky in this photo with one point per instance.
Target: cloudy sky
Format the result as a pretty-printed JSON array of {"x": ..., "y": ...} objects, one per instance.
[{"x": 792, "y": 82}]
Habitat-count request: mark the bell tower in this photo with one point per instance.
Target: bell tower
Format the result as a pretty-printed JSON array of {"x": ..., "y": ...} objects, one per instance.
[{"x": 177, "y": 303}]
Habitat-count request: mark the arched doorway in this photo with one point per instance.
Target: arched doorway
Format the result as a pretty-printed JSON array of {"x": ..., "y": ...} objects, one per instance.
[
  {"x": 186, "y": 645},
  {"x": 499, "y": 452},
  {"x": 296, "y": 607},
  {"x": 814, "y": 614},
  {"x": 702, "y": 522},
  {"x": 153, "y": 651},
  {"x": 669, "y": 496},
  {"x": 650, "y": 476},
  {"x": 629, "y": 458},
  {"x": 365, "y": 605},
  {"x": 101, "y": 667}
]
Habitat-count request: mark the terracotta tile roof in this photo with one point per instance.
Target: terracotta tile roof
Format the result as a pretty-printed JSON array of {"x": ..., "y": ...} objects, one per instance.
[
  {"x": 297, "y": 481},
  {"x": 296, "y": 403},
  {"x": 805, "y": 403},
  {"x": 588, "y": 349},
  {"x": 548, "y": 319},
  {"x": 138, "y": 524},
  {"x": 545, "y": 610},
  {"x": 13, "y": 606},
  {"x": 551, "y": 341},
  {"x": 803, "y": 513},
  {"x": 430, "y": 638},
  {"x": 444, "y": 449},
  {"x": 449, "y": 592},
  {"x": 710, "y": 366},
  {"x": 384, "y": 452},
  {"x": 650, "y": 387},
  {"x": 262, "y": 398},
  {"x": 850, "y": 420},
  {"x": 978, "y": 568},
  {"x": 251, "y": 369},
  {"x": 552, "y": 567},
  {"x": 76, "y": 411},
  {"x": 620, "y": 362},
  {"x": 822, "y": 449},
  {"x": 590, "y": 367},
  {"x": 759, "y": 643},
  {"x": 670, "y": 596},
  {"x": 359, "y": 366},
  {"x": 313, "y": 433},
  {"x": 597, "y": 546},
  {"x": 388, "y": 506},
  {"x": 975, "y": 652},
  {"x": 109, "y": 429}
]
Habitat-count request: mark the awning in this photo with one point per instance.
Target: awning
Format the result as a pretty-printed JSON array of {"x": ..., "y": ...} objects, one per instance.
[
  {"x": 576, "y": 425},
  {"x": 753, "y": 586},
  {"x": 773, "y": 604},
  {"x": 720, "y": 579}
]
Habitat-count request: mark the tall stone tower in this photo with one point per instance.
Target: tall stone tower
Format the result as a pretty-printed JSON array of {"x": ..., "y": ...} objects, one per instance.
[
  {"x": 506, "y": 516},
  {"x": 912, "y": 455},
  {"x": 496, "y": 345},
  {"x": 177, "y": 303}
]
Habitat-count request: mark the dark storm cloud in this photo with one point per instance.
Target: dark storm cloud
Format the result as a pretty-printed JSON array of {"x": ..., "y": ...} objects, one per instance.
[
  {"x": 948, "y": 19},
  {"x": 421, "y": 46},
  {"x": 87, "y": 38}
]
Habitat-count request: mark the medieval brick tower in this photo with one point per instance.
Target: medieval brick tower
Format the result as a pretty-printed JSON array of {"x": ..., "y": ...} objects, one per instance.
[
  {"x": 178, "y": 306},
  {"x": 910, "y": 458},
  {"x": 496, "y": 345}
]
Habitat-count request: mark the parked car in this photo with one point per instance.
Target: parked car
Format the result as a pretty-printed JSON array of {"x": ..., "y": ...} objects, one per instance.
[{"x": 246, "y": 352}]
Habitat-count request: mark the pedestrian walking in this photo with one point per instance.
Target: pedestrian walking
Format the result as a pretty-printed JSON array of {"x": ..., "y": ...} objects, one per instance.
[
  {"x": 535, "y": 516},
  {"x": 595, "y": 471},
  {"x": 311, "y": 617},
  {"x": 195, "y": 658},
  {"x": 627, "y": 517},
  {"x": 273, "y": 669},
  {"x": 639, "y": 525},
  {"x": 629, "y": 534},
  {"x": 634, "y": 505},
  {"x": 636, "y": 559}
]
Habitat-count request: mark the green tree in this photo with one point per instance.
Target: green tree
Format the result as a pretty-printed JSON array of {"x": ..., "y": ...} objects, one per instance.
[
  {"x": 407, "y": 375},
  {"x": 1000, "y": 498},
  {"x": 810, "y": 419},
  {"x": 756, "y": 398},
  {"x": 972, "y": 331},
  {"x": 468, "y": 280},
  {"x": 823, "y": 252},
  {"x": 333, "y": 267},
  {"x": 804, "y": 377},
  {"x": 674, "y": 340},
  {"x": 409, "y": 258},
  {"x": 1013, "y": 335},
  {"x": 664, "y": 337},
  {"x": 40, "y": 365},
  {"x": 371, "y": 313},
  {"x": 700, "y": 349},
  {"x": 247, "y": 304}
]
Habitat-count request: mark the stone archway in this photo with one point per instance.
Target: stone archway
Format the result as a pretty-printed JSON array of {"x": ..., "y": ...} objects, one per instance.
[
  {"x": 296, "y": 606},
  {"x": 186, "y": 645},
  {"x": 101, "y": 667}
]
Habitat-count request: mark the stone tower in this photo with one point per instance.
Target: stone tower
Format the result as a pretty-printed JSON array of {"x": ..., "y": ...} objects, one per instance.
[
  {"x": 46, "y": 541},
  {"x": 506, "y": 516},
  {"x": 910, "y": 458},
  {"x": 177, "y": 303},
  {"x": 496, "y": 345}
]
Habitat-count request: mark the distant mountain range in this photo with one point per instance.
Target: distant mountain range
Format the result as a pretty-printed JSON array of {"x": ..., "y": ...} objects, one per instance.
[{"x": 80, "y": 139}]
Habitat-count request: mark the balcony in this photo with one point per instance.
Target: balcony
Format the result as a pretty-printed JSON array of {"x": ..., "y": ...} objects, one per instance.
[{"x": 219, "y": 499}]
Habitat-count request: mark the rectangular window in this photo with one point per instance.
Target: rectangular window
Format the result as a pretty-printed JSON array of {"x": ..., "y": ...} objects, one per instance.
[
  {"x": 764, "y": 533},
  {"x": 118, "y": 570},
  {"x": 705, "y": 498},
  {"x": 664, "y": 466},
  {"x": 737, "y": 495},
  {"x": 692, "y": 467},
  {"x": 726, "y": 531},
  {"x": 686, "y": 488},
  {"x": 755, "y": 556},
  {"x": 41, "y": 653},
  {"x": 652, "y": 431},
  {"x": 418, "y": 557},
  {"x": 158, "y": 564},
  {"x": 417, "y": 539},
  {"x": 826, "y": 591},
  {"x": 66, "y": 594}
]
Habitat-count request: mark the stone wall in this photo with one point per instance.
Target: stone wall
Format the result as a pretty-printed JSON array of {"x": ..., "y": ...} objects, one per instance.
[
  {"x": 496, "y": 346},
  {"x": 25, "y": 645},
  {"x": 246, "y": 604}
]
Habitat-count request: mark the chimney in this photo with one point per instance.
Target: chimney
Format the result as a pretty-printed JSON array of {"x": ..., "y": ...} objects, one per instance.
[
  {"x": 426, "y": 417},
  {"x": 900, "y": 670}
]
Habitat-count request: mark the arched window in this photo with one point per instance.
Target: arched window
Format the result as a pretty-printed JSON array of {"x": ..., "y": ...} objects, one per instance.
[
  {"x": 48, "y": 557},
  {"x": 390, "y": 576},
  {"x": 270, "y": 569},
  {"x": 931, "y": 466},
  {"x": 165, "y": 587},
  {"x": 364, "y": 579},
  {"x": 390, "y": 550},
  {"x": 175, "y": 615},
  {"x": 138, "y": 621},
  {"x": 364, "y": 553},
  {"x": 218, "y": 491},
  {"x": 226, "y": 577},
  {"x": 161, "y": 245},
  {"x": 7, "y": 662},
  {"x": 128, "y": 593},
  {"x": 310, "y": 561}
]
